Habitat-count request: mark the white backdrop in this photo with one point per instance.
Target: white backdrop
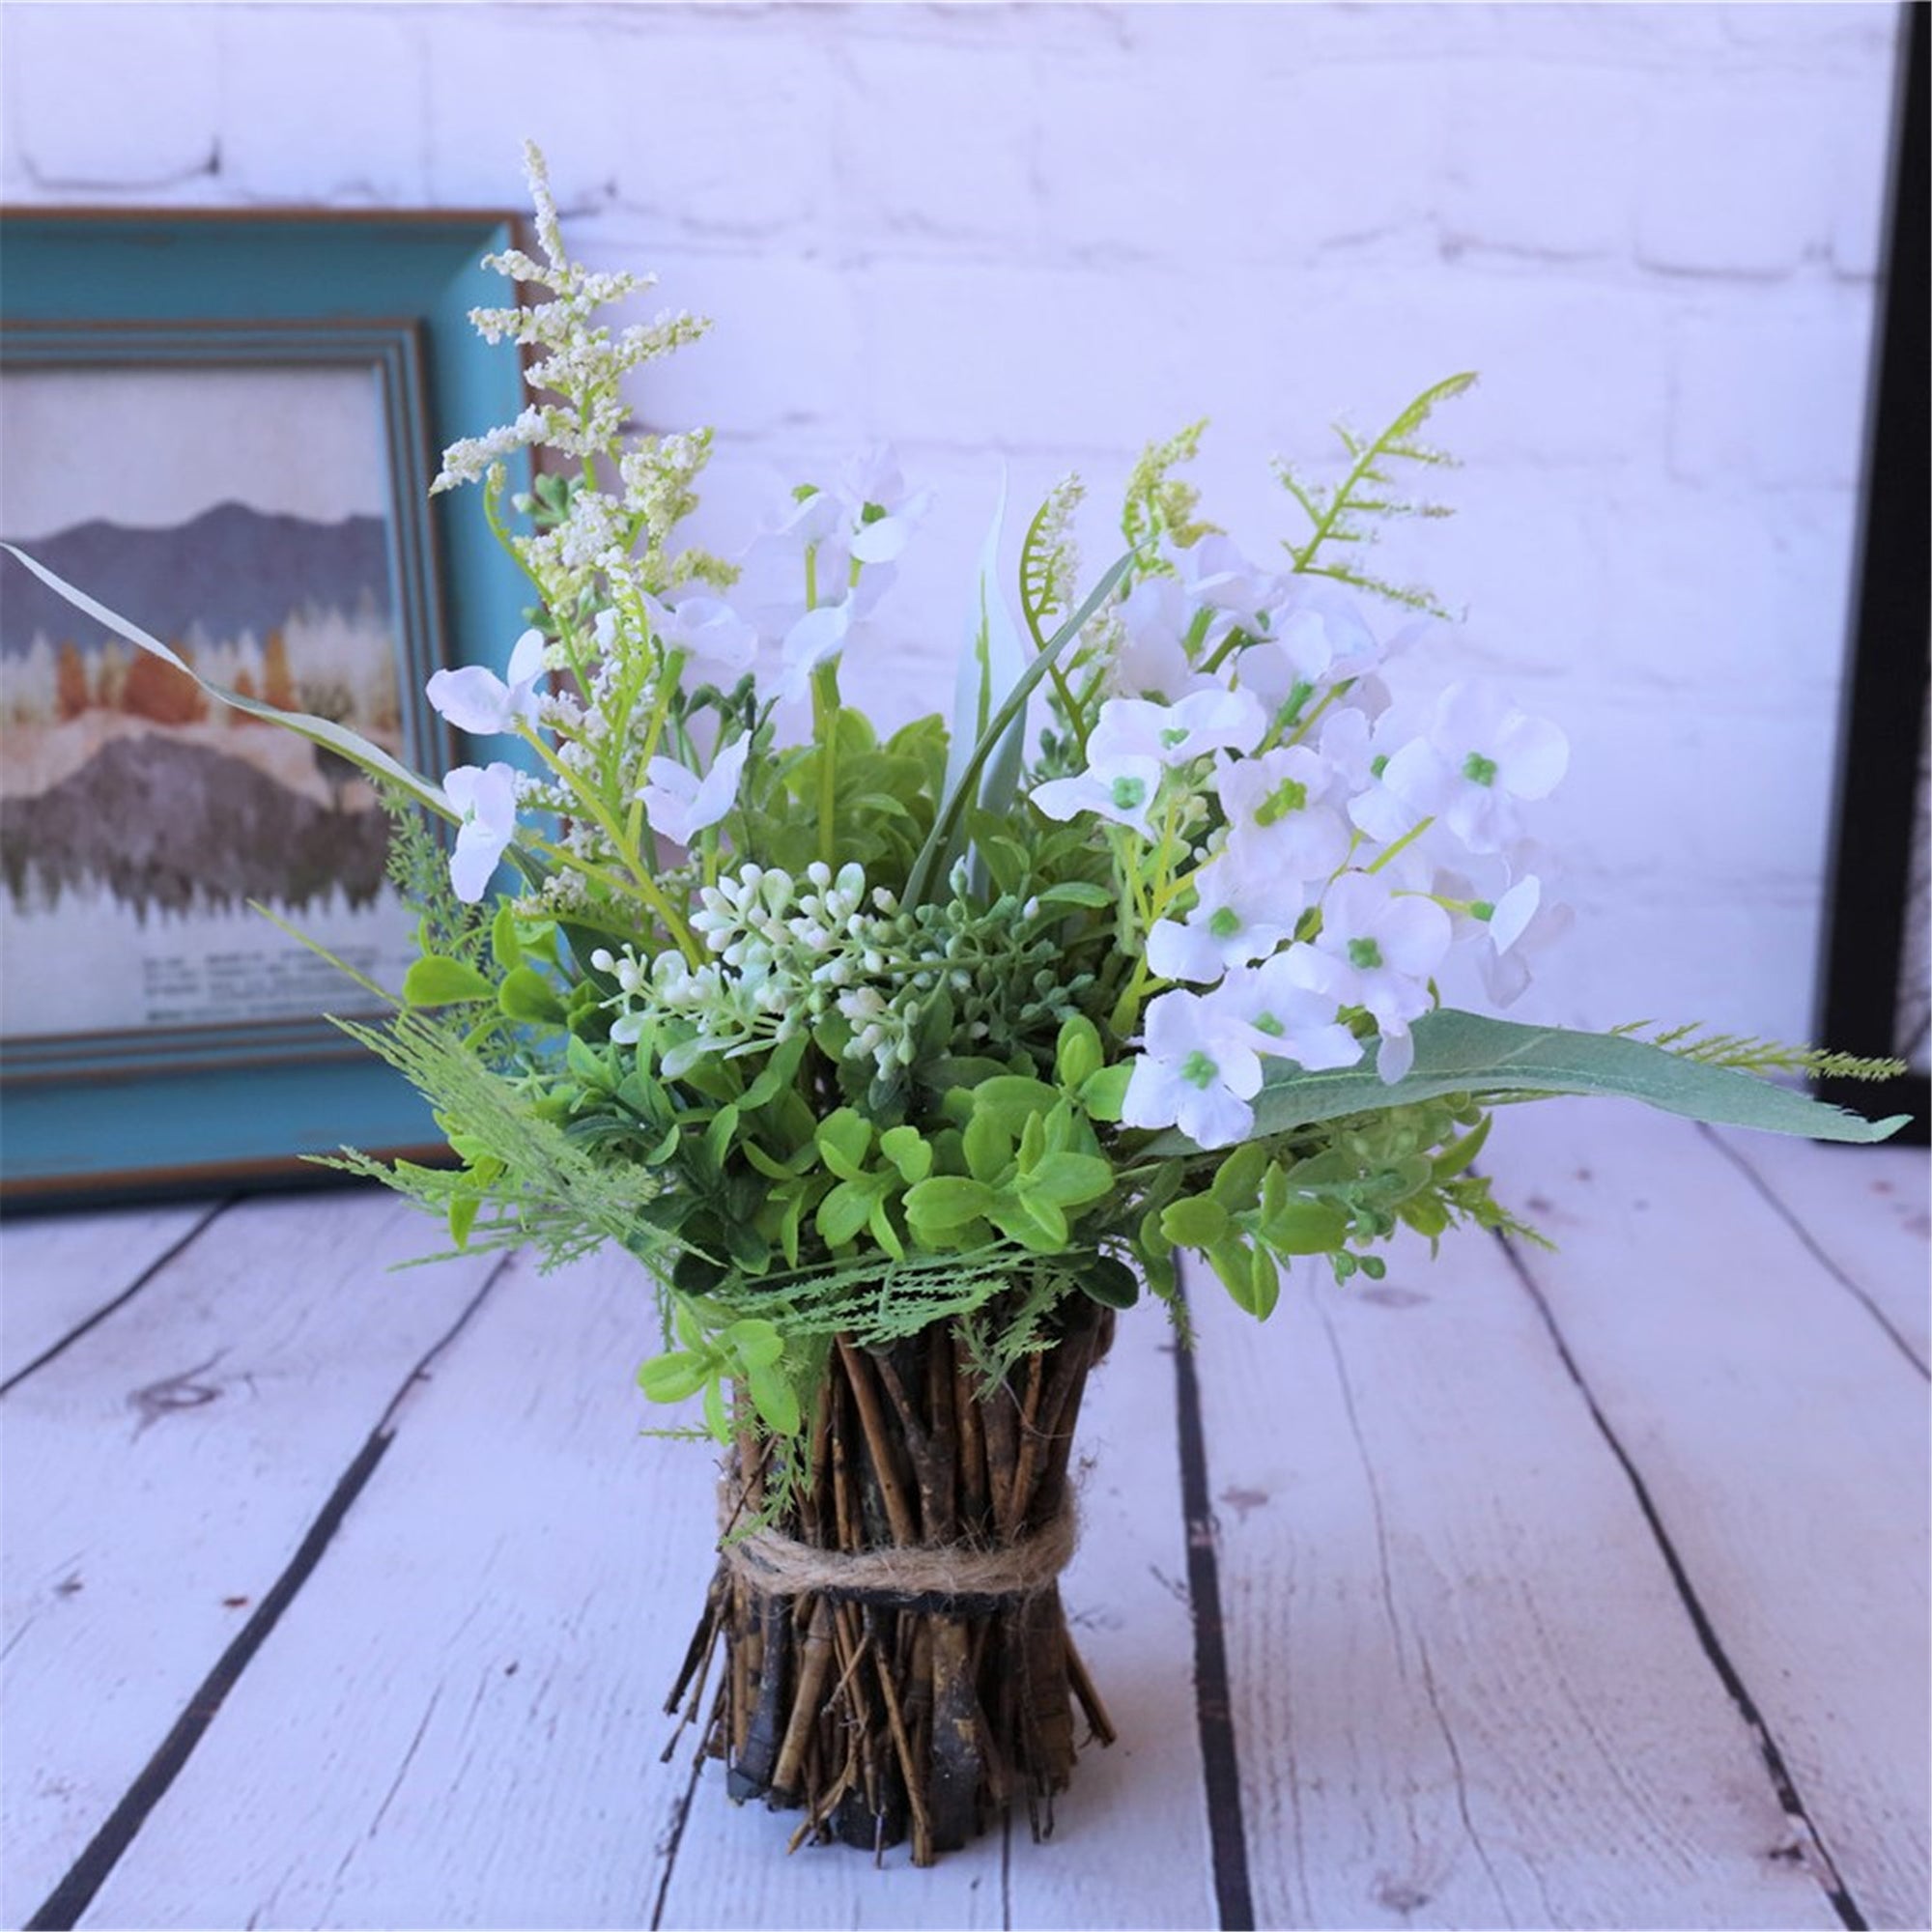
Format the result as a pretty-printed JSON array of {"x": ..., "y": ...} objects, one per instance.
[{"x": 1046, "y": 234}]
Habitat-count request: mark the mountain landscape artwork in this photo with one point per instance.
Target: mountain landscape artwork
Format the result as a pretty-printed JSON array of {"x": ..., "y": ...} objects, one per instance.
[{"x": 138, "y": 820}]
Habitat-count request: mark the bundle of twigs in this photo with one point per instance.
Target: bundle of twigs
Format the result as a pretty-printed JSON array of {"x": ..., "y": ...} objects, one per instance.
[{"x": 895, "y": 1655}]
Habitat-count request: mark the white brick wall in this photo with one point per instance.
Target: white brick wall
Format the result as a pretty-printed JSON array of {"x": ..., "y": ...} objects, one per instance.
[{"x": 1047, "y": 233}]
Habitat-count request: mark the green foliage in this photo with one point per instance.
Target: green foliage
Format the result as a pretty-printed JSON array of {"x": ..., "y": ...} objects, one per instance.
[
  {"x": 1746, "y": 1054},
  {"x": 1345, "y": 513},
  {"x": 1501, "y": 1060},
  {"x": 1158, "y": 507}
]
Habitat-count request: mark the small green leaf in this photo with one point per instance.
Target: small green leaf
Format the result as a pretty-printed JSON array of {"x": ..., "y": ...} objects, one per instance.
[
  {"x": 757, "y": 1342},
  {"x": 525, "y": 996},
  {"x": 505, "y": 947},
  {"x": 908, "y": 1152},
  {"x": 987, "y": 1147},
  {"x": 1070, "y": 1179},
  {"x": 1077, "y": 893},
  {"x": 439, "y": 981},
  {"x": 1194, "y": 1223},
  {"x": 1236, "y": 1182},
  {"x": 774, "y": 1397},
  {"x": 1077, "y": 1056},
  {"x": 844, "y": 1138},
  {"x": 463, "y": 1211},
  {"x": 1111, "y": 1282},
  {"x": 1454, "y": 1159},
  {"x": 843, "y": 1213},
  {"x": 1105, "y": 1093},
  {"x": 716, "y": 1417},
  {"x": 675, "y": 1378},
  {"x": 1306, "y": 1228},
  {"x": 947, "y": 1200}
]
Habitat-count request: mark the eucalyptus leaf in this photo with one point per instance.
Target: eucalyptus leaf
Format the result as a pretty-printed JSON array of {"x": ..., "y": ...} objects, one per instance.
[{"x": 1467, "y": 1053}]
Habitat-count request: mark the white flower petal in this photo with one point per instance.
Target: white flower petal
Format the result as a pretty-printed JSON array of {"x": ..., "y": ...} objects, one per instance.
[
  {"x": 474, "y": 699},
  {"x": 1531, "y": 756},
  {"x": 1396, "y": 1056}
]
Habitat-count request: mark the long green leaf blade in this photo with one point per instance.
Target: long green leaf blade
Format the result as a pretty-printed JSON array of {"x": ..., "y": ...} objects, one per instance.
[
  {"x": 963, "y": 788},
  {"x": 357, "y": 749},
  {"x": 1468, "y": 1053}
]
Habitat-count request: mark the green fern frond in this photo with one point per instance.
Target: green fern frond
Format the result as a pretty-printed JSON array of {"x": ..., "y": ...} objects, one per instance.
[
  {"x": 548, "y": 1190},
  {"x": 1410, "y": 596},
  {"x": 1746, "y": 1053},
  {"x": 1343, "y": 513},
  {"x": 1050, "y": 559},
  {"x": 1156, "y": 505}
]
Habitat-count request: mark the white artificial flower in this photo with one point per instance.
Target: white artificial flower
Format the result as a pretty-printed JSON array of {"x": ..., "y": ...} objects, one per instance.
[
  {"x": 1388, "y": 944},
  {"x": 1482, "y": 753},
  {"x": 815, "y": 639},
  {"x": 1214, "y": 572},
  {"x": 884, "y": 516},
  {"x": 719, "y": 644},
  {"x": 1278, "y": 812},
  {"x": 1208, "y": 721},
  {"x": 771, "y": 587},
  {"x": 1317, "y": 633},
  {"x": 1521, "y": 922},
  {"x": 1198, "y": 1070},
  {"x": 1121, "y": 789},
  {"x": 1290, "y": 1001},
  {"x": 1152, "y": 659},
  {"x": 1360, "y": 750},
  {"x": 1243, "y": 911},
  {"x": 486, "y": 798},
  {"x": 476, "y": 700},
  {"x": 680, "y": 805}
]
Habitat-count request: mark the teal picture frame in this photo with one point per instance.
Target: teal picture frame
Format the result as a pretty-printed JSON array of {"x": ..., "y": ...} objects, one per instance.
[{"x": 131, "y": 1113}]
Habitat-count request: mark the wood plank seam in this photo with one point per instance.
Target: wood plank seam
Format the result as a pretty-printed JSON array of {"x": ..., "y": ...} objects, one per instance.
[
  {"x": 120, "y": 1300},
  {"x": 1213, "y": 1694},
  {"x": 65, "y": 1905},
  {"x": 1784, "y": 1786},
  {"x": 1785, "y": 1213},
  {"x": 673, "y": 1838}
]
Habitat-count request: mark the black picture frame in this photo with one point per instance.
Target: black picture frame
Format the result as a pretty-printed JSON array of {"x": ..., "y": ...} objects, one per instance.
[{"x": 1882, "y": 739}]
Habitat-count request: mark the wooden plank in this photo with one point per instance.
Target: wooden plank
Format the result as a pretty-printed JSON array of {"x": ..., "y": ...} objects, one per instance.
[
  {"x": 1129, "y": 1843},
  {"x": 57, "y": 1270},
  {"x": 1784, "y": 1439},
  {"x": 1863, "y": 1210},
  {"x": 463, "y": 1706},
  {"x": 161, "y": 1473},
  {"x": 1465, "y": 1691}
]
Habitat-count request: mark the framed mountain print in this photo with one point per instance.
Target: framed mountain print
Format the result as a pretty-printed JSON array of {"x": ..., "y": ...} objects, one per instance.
[{"x": 225, "y": 428}]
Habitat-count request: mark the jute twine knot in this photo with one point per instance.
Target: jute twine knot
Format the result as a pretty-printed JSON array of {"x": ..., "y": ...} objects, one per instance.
[{"x": 951, "y": 1579}]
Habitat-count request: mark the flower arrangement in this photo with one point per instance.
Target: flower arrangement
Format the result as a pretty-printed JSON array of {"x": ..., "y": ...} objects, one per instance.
[{"x": 902, "y": 1062}]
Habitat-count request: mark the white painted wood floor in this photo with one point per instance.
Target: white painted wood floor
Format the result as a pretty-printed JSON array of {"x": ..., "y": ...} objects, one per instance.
[{"x": 1572, "y": 1589}]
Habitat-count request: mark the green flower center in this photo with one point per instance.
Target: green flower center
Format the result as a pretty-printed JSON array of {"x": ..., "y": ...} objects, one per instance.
[
  {"x": 1175, "y": 734},
  {"x": 1378, "y": 764},
  {"x": 1199, "y": 1070},
  {"x": 1129, "y": 794},
  {"x": 1479, "y": 770},
  {"x": 1225, "y": 923},
  {"x": 1482, "y": 909},
  {"x": 1364, "y": 955},
  {"x": 1290, "y": 795},
  {"x": 872, "y": 513},
  {"x": 1267, "y": 1023}
]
